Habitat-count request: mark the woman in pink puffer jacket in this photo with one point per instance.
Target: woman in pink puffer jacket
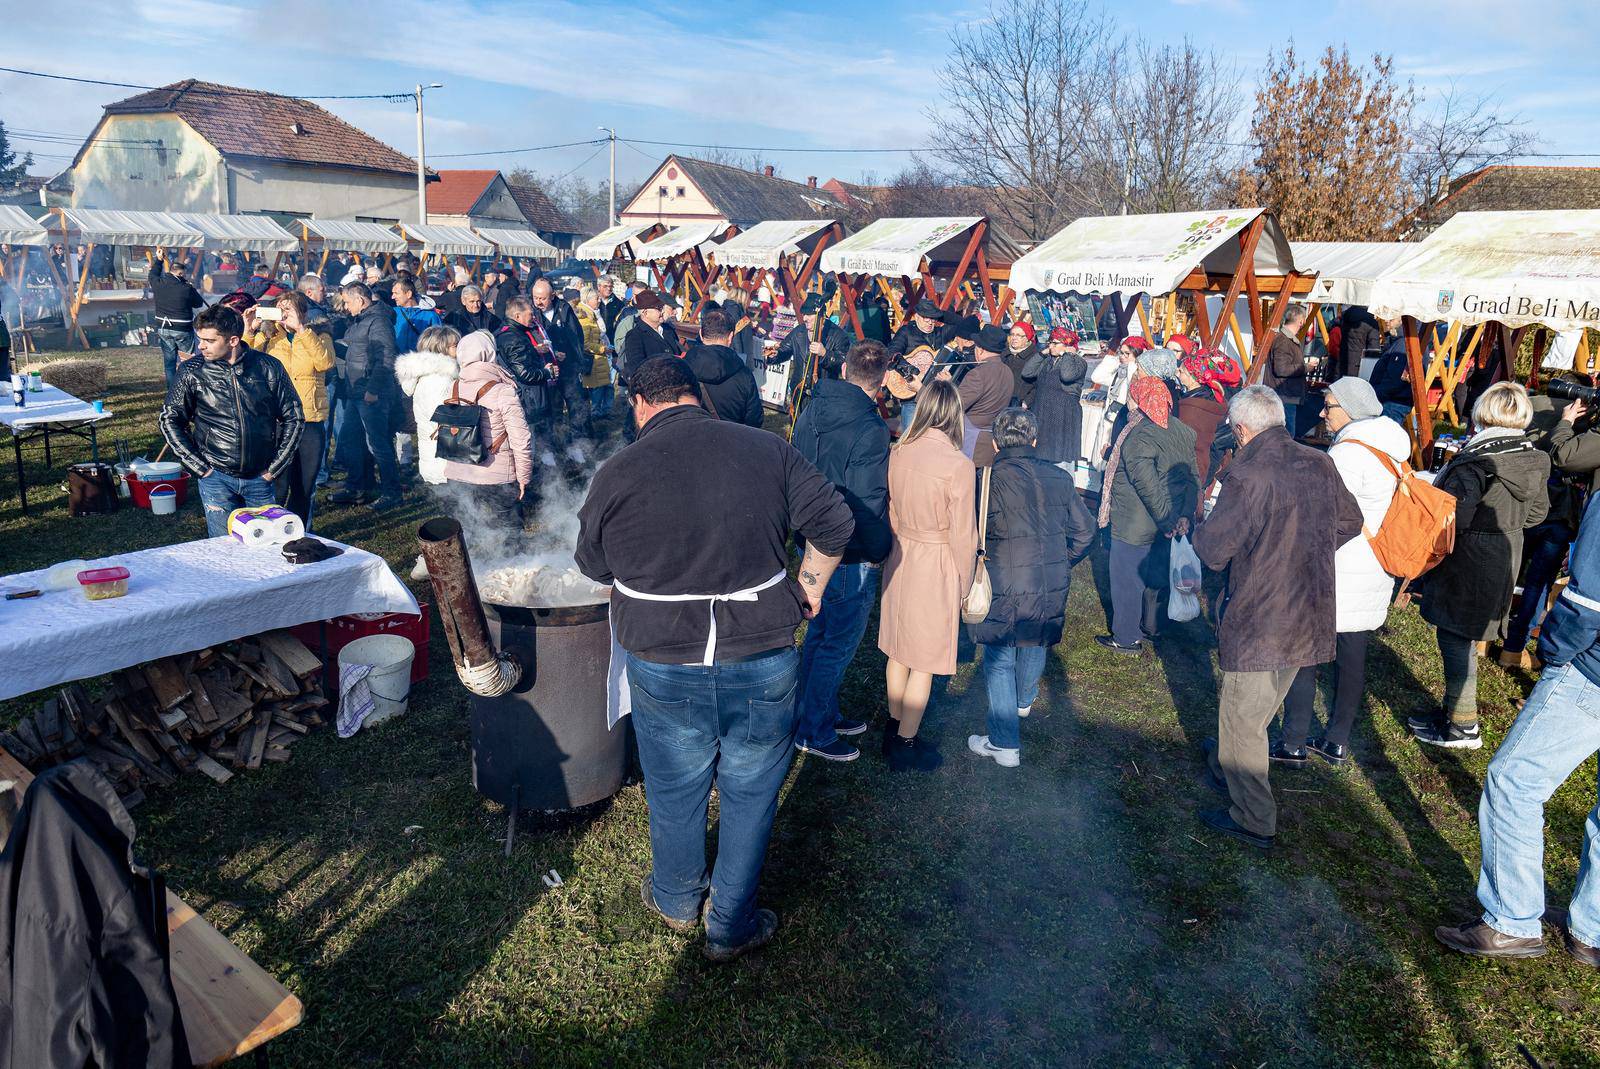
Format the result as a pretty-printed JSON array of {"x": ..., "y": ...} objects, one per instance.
[{"x": 495, "y": 487}]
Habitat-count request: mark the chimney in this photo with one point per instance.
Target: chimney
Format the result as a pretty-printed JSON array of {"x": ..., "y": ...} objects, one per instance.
[
  {"x": 811, "y": 180},
  {"x": 767, "y": 170}
]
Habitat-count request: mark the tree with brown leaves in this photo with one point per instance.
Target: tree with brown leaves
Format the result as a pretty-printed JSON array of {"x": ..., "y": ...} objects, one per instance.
[{"x": 1331, "y": 143}]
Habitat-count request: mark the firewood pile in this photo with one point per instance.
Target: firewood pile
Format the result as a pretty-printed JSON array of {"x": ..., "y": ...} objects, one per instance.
[{"x": 227, "y": 707}]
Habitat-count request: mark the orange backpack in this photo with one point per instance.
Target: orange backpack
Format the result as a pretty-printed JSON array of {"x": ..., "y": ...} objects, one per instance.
[{"x": 1419, "y": 530}]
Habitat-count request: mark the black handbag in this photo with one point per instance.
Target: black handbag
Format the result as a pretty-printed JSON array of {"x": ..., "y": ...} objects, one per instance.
[{"x": 458, "y": 435}]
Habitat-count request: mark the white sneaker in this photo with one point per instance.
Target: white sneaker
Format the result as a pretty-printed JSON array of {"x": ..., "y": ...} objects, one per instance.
[
  {"x": 1024, "y": 710},
  {"x": 979, "y": 744}
]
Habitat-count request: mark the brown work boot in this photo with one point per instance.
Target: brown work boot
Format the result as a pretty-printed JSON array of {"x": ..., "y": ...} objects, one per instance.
[
  {"x": 1581, "y": 952},
  {"x": 1480, "y": 940}
]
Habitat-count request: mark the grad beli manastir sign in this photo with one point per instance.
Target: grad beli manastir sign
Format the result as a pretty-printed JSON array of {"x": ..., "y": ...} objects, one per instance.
[
  {"x": 1516, "y": 268},
  {"x": 893, "y": 246},
  {"x": 1133, "y": 254}
]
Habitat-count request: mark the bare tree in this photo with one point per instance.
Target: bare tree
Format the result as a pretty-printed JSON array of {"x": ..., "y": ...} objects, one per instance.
[
  {"x": 745, "y": 161},
  {"x": 1016, "y": 89},
  {"x": 1462, "y": 132},
  {"x": 1166, "y": 129}
]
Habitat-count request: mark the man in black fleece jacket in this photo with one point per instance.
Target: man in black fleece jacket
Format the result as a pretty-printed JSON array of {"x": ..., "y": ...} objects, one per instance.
[
  {"x": 689, "y": 526},
  {"x": 175, "y": 305},
  {"x": 728, "y": 383},
  {"x": 842, "y": 433}
]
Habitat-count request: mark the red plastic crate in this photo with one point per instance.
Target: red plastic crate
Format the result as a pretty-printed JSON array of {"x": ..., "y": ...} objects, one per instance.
[{"x": 343, "y": 630}]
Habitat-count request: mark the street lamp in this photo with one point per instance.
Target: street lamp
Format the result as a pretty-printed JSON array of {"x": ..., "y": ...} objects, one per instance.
[{"x": 422, "y": 165}]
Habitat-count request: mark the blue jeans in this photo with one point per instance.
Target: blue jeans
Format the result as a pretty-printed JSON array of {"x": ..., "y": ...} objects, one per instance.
[
  {"x": 335, "y": 421},
  {"x": 172, "y": 343},
  {"x": 600, "y": 397},
  {"x": 221, "y": 493},
  {"x": 1544, "y": 548},
  {"x": 366, "y": 438},
  {"x": 1011, "y": 674},
  {"x": 1396, "y": 411},
  {"x": 908, "y": 410},
  {"x": 1557, "y": 730},
  {"x": 732, "y": 724},
  {"x": 831, "y": 641}
]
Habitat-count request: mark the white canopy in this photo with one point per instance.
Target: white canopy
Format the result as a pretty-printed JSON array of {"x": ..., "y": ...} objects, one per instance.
[
  {"x": 352, "y": 236},
  {"x": 681, "y": 239},
  {"x": 766, "y": 244},
  {"x": 1153, "y": 254},
  {"x": 255, "y": 233},
  {"x": 447, "y": 240},
  {"x": 897, "y": 246},
  {"x": 1345, "y": 270},
  {"x": 106, "y": 226},
  {"x": 603, "y": 246},
  {"x": 1516, "y": 268},
  {"x": 518, "y": 242},
  {"x": 17, "y": 227}
]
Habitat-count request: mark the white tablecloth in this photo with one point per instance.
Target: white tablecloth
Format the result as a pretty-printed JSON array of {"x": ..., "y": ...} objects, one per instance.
[
  {"x": 180, "y": 598},
  {"x": 49, "y": 405}
]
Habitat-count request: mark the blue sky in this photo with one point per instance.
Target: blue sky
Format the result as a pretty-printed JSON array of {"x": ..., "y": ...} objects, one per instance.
[{"x": 827, "y": 73}]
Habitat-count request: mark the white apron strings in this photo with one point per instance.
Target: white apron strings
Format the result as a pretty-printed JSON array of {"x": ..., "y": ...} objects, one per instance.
[{"x": 748, "y": 594}]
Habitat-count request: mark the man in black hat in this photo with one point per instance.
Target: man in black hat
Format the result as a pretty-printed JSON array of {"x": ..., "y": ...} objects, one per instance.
[
  {"x": 828, "y": 351},
  {"x": 960, "y": 336},
  {"x": 986, "y": 390},
  {"x": 924, "y": 329}
]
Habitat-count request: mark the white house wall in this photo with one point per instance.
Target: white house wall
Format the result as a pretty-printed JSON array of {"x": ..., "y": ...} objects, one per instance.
[
  {"x": 181, "y": 173},
  {"x": 323, "y": 192}
]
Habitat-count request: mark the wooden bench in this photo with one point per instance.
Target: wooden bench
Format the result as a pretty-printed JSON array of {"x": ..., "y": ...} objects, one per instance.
[{"x": 229, "y": 1004}]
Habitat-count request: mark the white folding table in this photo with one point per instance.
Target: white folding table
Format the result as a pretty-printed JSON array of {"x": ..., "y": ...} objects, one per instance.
[{"x": 46, "y": 412}]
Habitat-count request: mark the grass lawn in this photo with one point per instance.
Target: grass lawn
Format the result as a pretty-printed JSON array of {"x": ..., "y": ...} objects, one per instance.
[{"x": 1068, "y": 912}]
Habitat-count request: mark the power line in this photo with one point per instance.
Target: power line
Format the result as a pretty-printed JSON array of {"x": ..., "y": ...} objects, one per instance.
[
  {"x": 510, "y": 151},
  {"x": 204, "y": 90}
]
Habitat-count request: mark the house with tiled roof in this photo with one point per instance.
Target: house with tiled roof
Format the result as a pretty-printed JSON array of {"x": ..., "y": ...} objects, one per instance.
[
  {"x": 204, "y": 147},
  {"x": 546, "y": 217},
  {"x": 468, "y": 198},
  {"x": 1514, "y": 188},
  {"x": 686, "y": 190}
]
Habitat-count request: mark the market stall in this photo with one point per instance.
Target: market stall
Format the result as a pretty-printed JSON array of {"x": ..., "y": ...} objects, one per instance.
[
  {"x": 1490, "y": 278},
  {"x": 680, "y": 259},
  {"x": 122, "y": 287},
  {"x": 242, "y": 233},
  {"x": 946, "y": 260},
  {"x": 19, "y": 232},
  {"x": 519, "y": 243},
  {"x": 347, "y": 235},
  {"x": 438, "y": 245},
  {"x": 617, "y": 243}
]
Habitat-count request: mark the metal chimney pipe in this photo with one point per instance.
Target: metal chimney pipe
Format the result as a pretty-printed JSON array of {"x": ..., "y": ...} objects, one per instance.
[{"x": 481, "y": 668}]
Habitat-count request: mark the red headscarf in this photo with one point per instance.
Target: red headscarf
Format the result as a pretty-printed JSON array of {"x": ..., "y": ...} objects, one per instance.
[
  {"x": 1026, "y": 328},
  {"x": 1153, "y": 399},
  {"x": 1136, "y": 343},
  {"x": 1064, "y": 336},
  {"x": 1181, "y": 342},
  {"x": 1214, "y": 370}
]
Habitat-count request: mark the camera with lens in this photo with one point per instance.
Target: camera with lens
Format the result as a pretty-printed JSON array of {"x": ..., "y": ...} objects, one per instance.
[{"x": 1567, "y": 390}]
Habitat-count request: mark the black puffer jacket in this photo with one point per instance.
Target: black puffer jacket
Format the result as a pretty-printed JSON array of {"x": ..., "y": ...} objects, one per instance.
[
  {"x": 1358, "y": 332},
  {"x": 1499, "y": 487},
  {"x": 841, "y": 432},
  {"x": 1038, "y": 529},
  {"x": 730, "y": 385},
  {"x": 526, "y": 353},
  {"x": 467, "y": 322},
  {"x": 243, "y": 418},
  {"x": 1055, "y": 392},
  {"x": 909, "y": 336},
  {"x": 84, "y": 928},
  {"x": 369, "y": 352}
]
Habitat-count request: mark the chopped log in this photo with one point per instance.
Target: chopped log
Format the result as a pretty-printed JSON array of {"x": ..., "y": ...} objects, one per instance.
[
  {"x": 211, "y": 768},
  {"x": 132, "y": 798},
  {"x": 167, "y": 682},
  {"x": 172, "y": 718},
  {"x": 283, "y": 719},
  {"x": 135, "y": 737},
  {"x": 29, "y": 734},
  {"x": 258, "y": 741},
  {"x": 276, "y": 753},
  {"x": 86, "y": 716},
  {"x": 284, "y": 683},
  {"x": 148, "y": 768},
  {"x": 47, "y": 722},
  {"x": 12, "y": 744},
  {"x": 292, "y": 652},
  {"x": 205, "y": 712},
  {"x": 252, "y": 670}
]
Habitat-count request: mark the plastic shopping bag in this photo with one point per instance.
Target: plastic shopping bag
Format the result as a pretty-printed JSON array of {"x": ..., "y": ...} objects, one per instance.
[{"x": 1184, "y": 573}]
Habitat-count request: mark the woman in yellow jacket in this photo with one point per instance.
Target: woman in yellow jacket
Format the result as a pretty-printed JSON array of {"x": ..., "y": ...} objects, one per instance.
[
  {"x": 308, "y": 355},
  {"x": 596, "y": 345}
]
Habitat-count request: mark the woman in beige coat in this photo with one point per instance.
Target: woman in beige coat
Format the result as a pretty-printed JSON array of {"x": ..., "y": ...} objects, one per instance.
[{"x": 934, "y": 516}]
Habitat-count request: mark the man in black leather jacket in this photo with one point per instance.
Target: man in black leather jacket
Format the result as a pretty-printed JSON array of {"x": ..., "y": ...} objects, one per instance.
[
  {"x": 366, "y": 437},
  {"x": 232, "y": 417}
]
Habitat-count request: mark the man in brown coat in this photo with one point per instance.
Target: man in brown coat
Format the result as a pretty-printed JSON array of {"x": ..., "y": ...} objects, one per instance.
[
  {"x": 985, "y": 391},
  {"x": 1281, "y": 513},
  {"x": 1284, "y": 369}
]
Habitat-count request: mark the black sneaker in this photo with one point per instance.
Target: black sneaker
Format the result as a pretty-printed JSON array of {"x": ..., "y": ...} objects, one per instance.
[
  {"x": 1221, "y": 820},
  {"x": 387, "y": 502},
  {"x": 913, "y": 755},
  {"x": 1453, "y": 736},
  {"x": 891, "y": 730},
  {"x": 1430, "y": 722},
  {"x": 845, "y": 726},
  {"x": 766, "y": 926},
  {"x": 1335, "y": 753},
  {"x": 1116, "y": 647},
  {"x": 343, "y": 496},
  {"x": 837, "y": 750},
  {"x": 1290, "y": 758}
]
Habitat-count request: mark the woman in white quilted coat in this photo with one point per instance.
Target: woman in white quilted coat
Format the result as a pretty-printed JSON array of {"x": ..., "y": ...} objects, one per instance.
[
  {"x": 1363, "y": 590},
  {"x": 426, "y": 376}
]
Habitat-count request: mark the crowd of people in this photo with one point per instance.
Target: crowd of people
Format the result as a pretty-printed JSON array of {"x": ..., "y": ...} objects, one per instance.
[{"x": 958, "y": 516}]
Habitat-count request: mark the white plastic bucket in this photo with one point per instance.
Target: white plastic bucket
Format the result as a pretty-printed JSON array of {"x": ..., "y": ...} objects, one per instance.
[
  {"x": 390, "y": 681},
  {"x": 163, "y": 500}
]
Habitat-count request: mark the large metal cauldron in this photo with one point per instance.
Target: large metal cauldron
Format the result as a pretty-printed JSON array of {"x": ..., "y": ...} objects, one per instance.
[{"x": 545, "y": 745}]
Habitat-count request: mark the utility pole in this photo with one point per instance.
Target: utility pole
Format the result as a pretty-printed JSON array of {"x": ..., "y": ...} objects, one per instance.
[
  {"x": 613, "y": 188},
  {"x": 422, "y": 154}
]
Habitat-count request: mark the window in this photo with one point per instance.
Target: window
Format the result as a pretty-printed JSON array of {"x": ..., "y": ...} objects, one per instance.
[
  {"x": 680, "y": 191},
  {"x": 661, "y": 191}
]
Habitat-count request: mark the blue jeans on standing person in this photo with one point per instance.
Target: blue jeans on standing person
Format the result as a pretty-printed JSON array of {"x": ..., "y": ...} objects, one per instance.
[
  {"x": 600, "y": 398},
  {"x": 1544, "y": 548},
  {"x": 172, "y": 343},
  {"x": 336, "y": 414},
  {"x": 1011, "y": 675},
  {"x": 831, "y": 641},
  {"x": 366, "y": 440},
  {"x": 221, "y": 493},
  {"x": 908, "y": 412},
  {"x": 1557, "y": 730},
  {"x": 732, "y": 724}
]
